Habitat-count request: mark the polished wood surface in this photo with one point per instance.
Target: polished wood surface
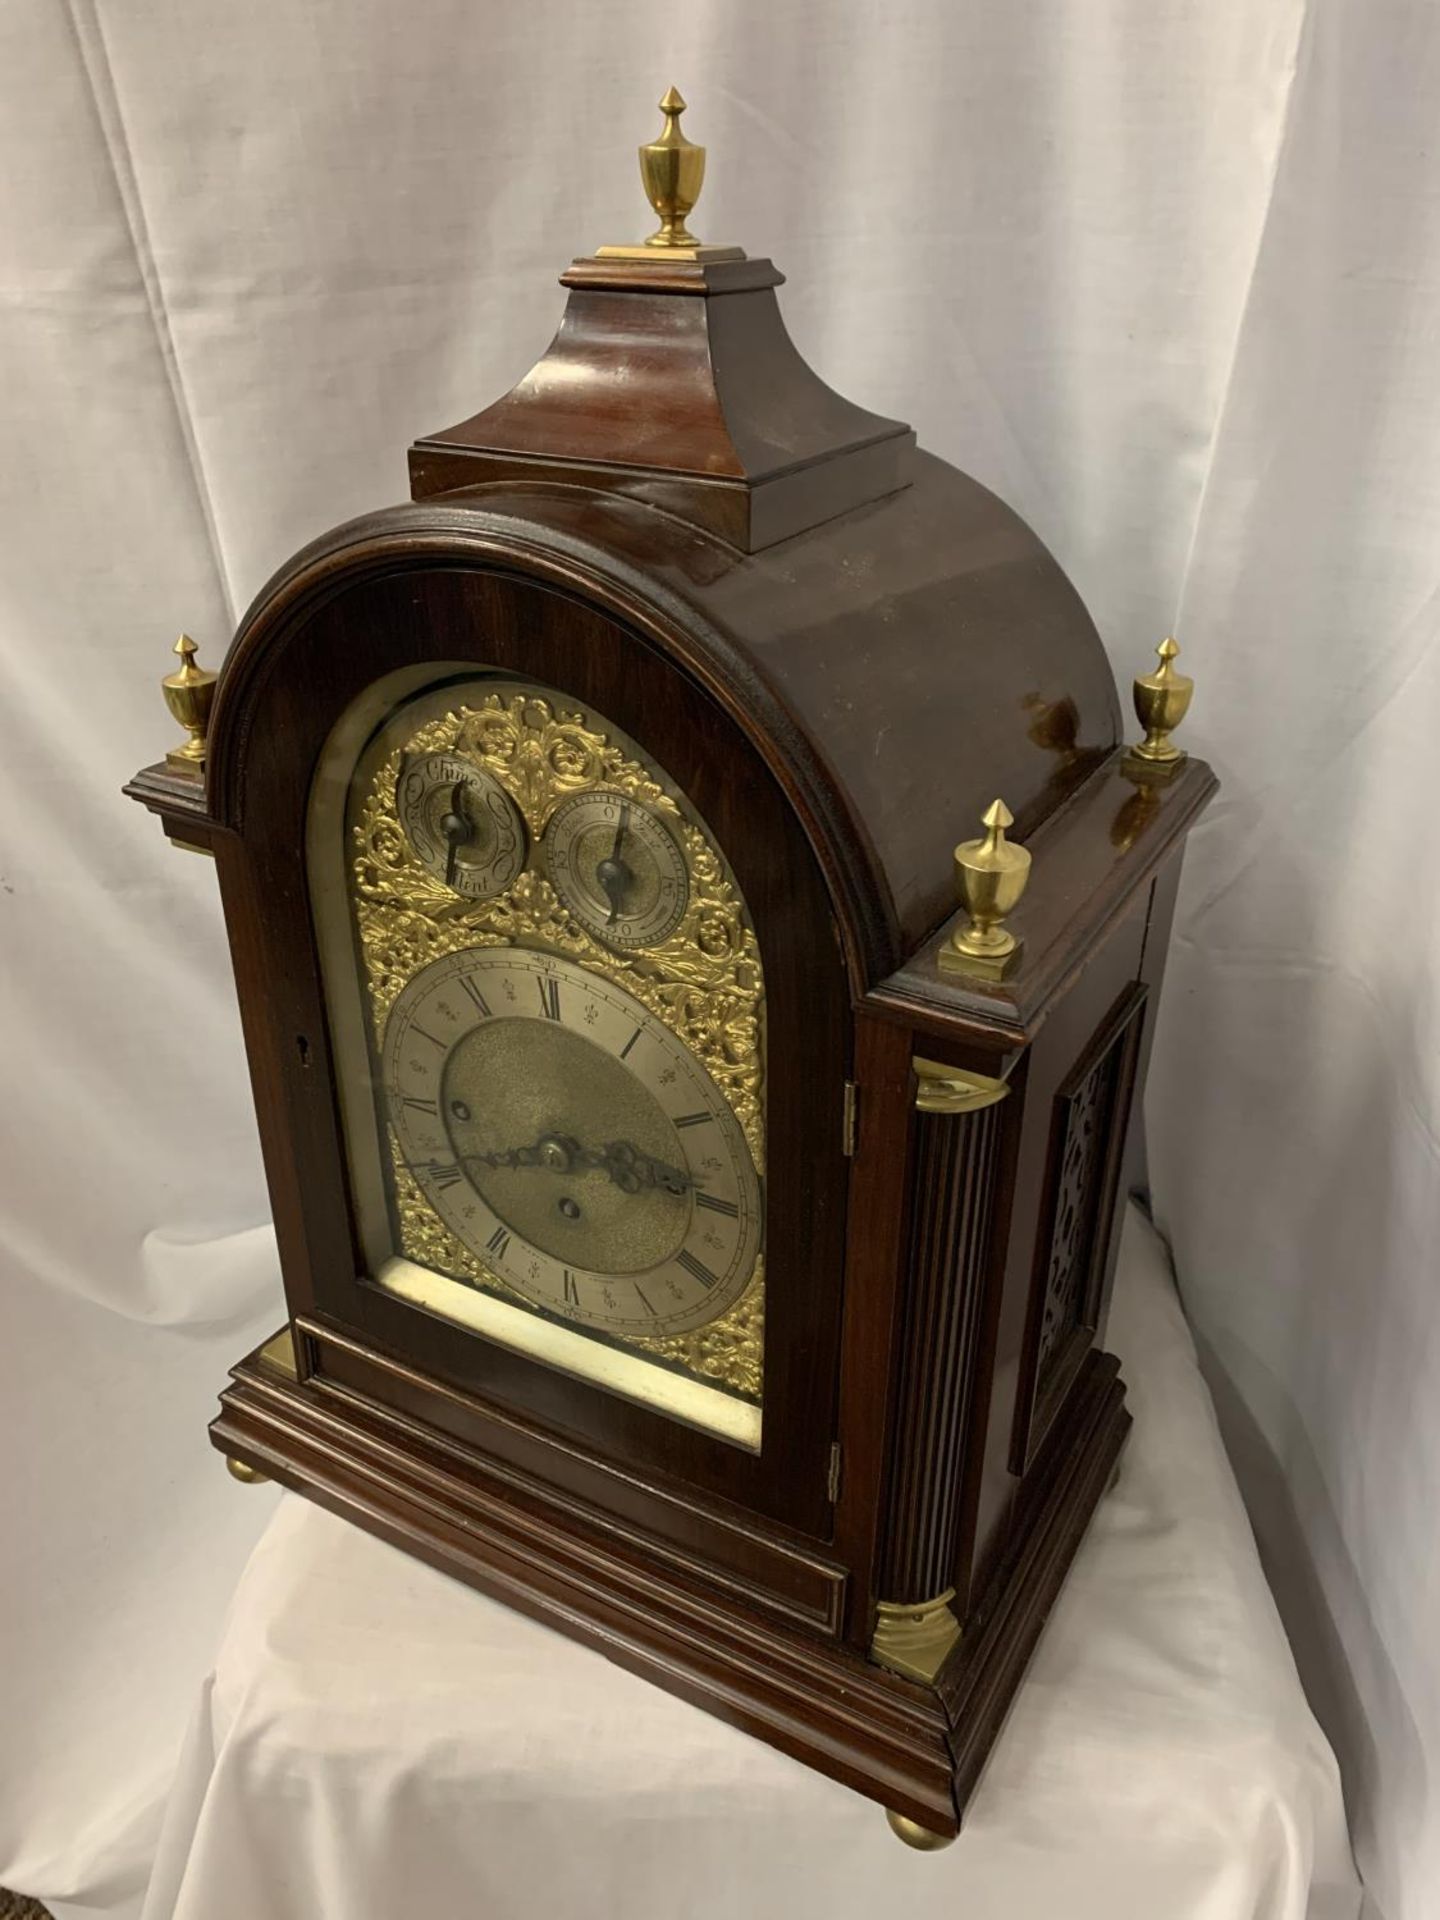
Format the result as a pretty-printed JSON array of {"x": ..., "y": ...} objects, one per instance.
[
  {"x": 268, "y": 739},
  {"x": 887, "y": 666},
  {"x": 914, "y": 1749},
  {"x": 699, "y": 404}
]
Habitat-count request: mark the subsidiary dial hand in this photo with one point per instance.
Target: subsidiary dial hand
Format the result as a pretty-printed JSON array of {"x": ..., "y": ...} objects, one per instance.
[
  {"x": 616, "y": 879},
  {"x": 457, "y": 830}
]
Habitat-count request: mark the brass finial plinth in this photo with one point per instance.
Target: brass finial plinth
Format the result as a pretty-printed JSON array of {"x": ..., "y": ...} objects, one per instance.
[
  {"x": 1162, "y": 699},
  {"x": 991, "y": 874},
  {"x": 673, "y": 171},
  {"x": 189, "y": 694}
]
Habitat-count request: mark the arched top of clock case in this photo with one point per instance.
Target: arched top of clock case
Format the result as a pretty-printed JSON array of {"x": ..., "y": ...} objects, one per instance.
[{"x": 896, "y": 667}]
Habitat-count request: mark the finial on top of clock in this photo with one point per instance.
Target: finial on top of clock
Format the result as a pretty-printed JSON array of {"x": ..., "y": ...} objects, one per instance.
[
  {"x": 672, "y": 168},
  {"x": 189, "y": 694},
  {"x": 991, "y": 874},
  {"x": 1162, "y": 699}
]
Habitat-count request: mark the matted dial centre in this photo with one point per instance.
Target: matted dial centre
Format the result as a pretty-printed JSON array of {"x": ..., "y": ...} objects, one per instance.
[
  {"x": 556, "y": 1125},
  {"x": 571, "y": 1141}
]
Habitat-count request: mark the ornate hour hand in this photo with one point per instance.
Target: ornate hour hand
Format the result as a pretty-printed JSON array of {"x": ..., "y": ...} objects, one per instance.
[
  {"x": 615, "y": 877},
  {"x": 628, "y": 1166},
  {"x": 555, "y": 1152},
  {"x": 457, "y": 830}
]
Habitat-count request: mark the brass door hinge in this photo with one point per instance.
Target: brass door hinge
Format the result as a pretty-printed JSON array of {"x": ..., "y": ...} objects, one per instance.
[
  {"x": 832, "y": 1478},
  {"x": 848, "y": 1121}
]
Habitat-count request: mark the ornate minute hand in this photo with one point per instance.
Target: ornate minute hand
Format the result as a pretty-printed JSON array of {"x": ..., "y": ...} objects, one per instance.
[{"x": 631, "y": 1168}]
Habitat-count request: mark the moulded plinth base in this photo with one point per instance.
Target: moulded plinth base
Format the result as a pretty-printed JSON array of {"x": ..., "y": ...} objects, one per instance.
[{"x": 916, "y": 1749}]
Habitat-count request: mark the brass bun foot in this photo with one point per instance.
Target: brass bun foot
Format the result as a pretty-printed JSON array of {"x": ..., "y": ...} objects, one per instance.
[
  {"x": 247, "y": 1475},
  {"x": 923, "y": 1839}
]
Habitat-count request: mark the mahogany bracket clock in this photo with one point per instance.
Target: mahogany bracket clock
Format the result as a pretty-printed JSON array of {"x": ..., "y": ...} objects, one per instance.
[{"x": 696, "y": 1216}]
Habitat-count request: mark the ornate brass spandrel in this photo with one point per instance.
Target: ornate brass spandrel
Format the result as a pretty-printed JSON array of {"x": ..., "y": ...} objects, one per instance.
[{"x": 704, "y": 981}]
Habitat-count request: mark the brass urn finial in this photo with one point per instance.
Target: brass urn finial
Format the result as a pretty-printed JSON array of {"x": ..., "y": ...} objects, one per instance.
[
  {"x": 991, "y": 874},
  {"x": 1162, "y": 699},
  {"x": 189, "y": 694},
  {"x": 673, "y": 170}
]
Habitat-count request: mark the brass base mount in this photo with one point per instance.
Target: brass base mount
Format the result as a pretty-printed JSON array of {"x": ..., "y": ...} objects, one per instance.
[{"x": 914, "y": 1639}]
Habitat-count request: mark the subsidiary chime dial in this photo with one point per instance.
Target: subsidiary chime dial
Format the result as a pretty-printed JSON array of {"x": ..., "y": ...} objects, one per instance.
[
  {"x": 464, "y": 827},
  {"x": 617, "y": 868}
]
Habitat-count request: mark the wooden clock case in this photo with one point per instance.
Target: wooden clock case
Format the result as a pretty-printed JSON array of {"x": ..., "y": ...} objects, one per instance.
[{"x": 843, "y": 650}]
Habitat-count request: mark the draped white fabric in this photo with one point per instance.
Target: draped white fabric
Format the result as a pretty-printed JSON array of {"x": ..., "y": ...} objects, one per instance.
[
  {"x": 1165, "y": 274},
  {"x": 376, "y": 1740}
]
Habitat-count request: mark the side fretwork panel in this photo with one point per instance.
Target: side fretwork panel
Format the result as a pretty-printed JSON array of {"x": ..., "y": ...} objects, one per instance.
[
  {"x": 1073, "y": 1161},
  {"x": 1010, "y": 1249},
  {"x": 1075, "y": 1241}
]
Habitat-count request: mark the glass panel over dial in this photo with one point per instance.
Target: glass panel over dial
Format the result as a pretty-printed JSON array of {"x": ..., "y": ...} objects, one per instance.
[{"x": 548, "y": 1016}]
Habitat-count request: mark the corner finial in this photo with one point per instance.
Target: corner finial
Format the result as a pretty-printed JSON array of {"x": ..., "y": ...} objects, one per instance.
[
  {"x": 672, "y": 169},
  {"x": 189, "y": 694},
  {"x": 1162, "y": 699},
  {"x": 991, "y": 874}
]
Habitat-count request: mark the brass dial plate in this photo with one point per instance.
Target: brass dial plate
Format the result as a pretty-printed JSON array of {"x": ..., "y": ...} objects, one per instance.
[
  {"x": 571, "y": 1141},
  {"x": 617, "y": 868},
  {"x": 377, "y": 901}
]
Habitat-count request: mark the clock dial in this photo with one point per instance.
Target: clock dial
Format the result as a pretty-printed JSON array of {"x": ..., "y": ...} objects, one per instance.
[
  {"x": 548, "y": 1018},
  {"x": 571, "y": 1141},
  {"x": 462, "y": 824},
  {"x": 617, "y": 868}
]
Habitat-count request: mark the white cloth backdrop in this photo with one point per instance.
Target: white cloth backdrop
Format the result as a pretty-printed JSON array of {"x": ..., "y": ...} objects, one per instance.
[
  {"x": 1166, "y": 273},
  {"x": 375, "y": 1740}
]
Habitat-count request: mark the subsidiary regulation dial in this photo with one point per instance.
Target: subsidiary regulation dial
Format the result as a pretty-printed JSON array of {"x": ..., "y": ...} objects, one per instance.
[
  {"x": 463, "y": 825},
  {"x": 617, "y": 868}
]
